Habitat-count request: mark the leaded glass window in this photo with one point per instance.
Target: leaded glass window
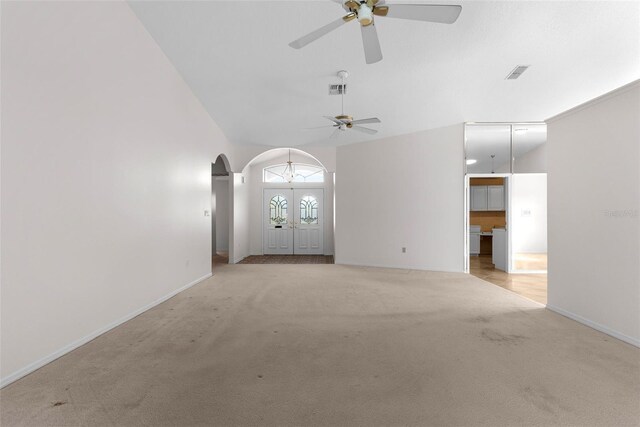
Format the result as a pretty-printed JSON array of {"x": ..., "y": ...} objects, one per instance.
[
  {"x": 308, "y": 210},
  {"x": 301, "y": 173},
  {"x": 278, "y": 210}
]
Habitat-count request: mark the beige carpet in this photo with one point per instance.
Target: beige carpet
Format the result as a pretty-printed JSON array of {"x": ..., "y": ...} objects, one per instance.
[{"x": 333, "y": 345}]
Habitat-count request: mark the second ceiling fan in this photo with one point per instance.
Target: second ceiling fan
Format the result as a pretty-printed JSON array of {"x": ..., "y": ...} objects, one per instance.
[
  {"x": 364, "y": 11},
  {"x": 344, "y": 122}
]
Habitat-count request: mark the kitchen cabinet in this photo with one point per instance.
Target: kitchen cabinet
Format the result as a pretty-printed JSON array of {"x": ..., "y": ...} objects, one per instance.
[
  {"x": 487, "y": 198},
  {"x": 474, "y": 244},
  {"x": 495, "y": 197},
  {"x": 479, "y": 198},
  {"x": 499, "y": 256}
]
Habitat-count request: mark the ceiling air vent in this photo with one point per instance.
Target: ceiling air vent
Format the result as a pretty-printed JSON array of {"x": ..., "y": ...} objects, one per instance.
[
  {"x": 517, "y": 72},
  {"x": 338, "y": 89}
]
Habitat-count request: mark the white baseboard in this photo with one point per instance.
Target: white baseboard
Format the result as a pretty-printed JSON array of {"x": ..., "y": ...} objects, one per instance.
[
  {"x": 397, "y": 267},
  {"x": 630, "y": 340},
  {"x": 79, "y": 342}
]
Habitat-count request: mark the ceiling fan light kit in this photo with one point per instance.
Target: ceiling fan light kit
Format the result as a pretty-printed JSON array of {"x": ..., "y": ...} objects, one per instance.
[{"x": 365, "y": 10}]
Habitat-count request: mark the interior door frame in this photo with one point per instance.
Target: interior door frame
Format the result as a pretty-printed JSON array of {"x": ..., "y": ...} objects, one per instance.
[
  {"x": 466, "y": 191},
  {"x": 467, "y": 216}
]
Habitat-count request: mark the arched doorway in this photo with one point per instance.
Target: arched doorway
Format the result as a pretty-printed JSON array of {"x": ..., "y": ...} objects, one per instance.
[
  {"x": 307, "y": 230},
  {"x": 221, "y": 188}
]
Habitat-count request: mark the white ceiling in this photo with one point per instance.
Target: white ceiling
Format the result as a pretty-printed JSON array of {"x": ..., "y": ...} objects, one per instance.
[{"x": 235, "y": 57}]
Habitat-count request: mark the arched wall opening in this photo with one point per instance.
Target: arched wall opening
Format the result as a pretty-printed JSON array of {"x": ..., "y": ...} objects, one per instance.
[
  {"x": 249, "y": 202},
  {"x": 221, "y": 211},
  {"x": 282, "y": 153}
]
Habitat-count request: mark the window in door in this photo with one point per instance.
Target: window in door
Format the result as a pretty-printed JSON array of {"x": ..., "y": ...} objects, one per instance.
[
  {"x": 278, "y": 210},
  {"x": 308, "y": 210}
]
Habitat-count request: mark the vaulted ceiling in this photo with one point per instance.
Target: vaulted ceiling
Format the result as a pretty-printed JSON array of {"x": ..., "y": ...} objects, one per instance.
[{"x": 235, "y": 57}]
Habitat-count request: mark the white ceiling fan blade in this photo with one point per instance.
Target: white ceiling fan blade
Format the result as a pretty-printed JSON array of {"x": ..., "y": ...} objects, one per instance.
[
  {"x": 444, "y": 14},
  {"x": 315, "y": 35},
  {"x": 372, "y": 51},
  {"x": 334, "y": 120},
  {"x": 335, "y": 133},
  {"x": 365, "y": 130},
  {"x": 365, "y": 121}
]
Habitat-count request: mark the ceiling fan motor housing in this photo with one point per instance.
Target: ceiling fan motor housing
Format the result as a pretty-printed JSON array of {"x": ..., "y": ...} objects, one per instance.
[
  {"x": 365, "y": 15},
  {"x": 362, "y": 9}
]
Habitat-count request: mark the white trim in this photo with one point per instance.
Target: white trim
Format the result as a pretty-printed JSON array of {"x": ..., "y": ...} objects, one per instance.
[
  {"x": 594, "y": 101},
  {"x": 352, "y": 264},
  {"x": 596, "y": 326},
  {"x": 93, "y": 335}
]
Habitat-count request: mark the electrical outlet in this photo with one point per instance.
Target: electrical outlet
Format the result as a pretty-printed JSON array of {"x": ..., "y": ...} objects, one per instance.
[
  {"x": 206, "y": 213},
  {"x": 404, "y": 250}
]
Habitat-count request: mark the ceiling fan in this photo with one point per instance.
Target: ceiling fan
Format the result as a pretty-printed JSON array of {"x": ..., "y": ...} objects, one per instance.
[
  {"x": 344, "y": 122},
  {"x": 364, "y": 11}
]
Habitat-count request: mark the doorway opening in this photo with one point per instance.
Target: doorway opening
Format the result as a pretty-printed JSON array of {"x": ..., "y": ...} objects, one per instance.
[
  {"x": 293, "y": 221},
  {"x": 291, "y": 208},
  {"x": 220, "y": 211},
  {"x": 505, "y": 206}
]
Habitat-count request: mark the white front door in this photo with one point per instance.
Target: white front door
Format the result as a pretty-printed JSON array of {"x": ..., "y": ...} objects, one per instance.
[
  {"x": 278, "y": 221},
  {"x": 293, "y": 221},
  {"x": 308, "y": 221}
]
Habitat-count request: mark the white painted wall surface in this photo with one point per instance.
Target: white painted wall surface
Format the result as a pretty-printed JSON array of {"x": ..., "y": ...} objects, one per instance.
[
  {"x": 222, "y": 213},
  {"x": 240, "y": 201},
  {"x": 106, "y": 158},
  {"x": 594, "y": 222},
  {"x": 528, "y": 213},
  {"x": 405, "y": 191},
  {"x": 256, "y": 202}
]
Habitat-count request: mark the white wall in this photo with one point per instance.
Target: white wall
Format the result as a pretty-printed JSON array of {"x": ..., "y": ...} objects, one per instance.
[
  {"x": 256, "y": 202},
  {"x": 405, "y": 191},
  {"x": 106, "y": 165},
  {"x": 528, "y": 213},
  {"x": 240, "y": 202},
  {"x": 594, "y": 203},
  {"x": 222, "y": 213}
]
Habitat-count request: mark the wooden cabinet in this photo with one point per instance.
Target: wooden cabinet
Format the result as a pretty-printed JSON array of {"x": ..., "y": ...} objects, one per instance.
[{"x": 487, "y": 198}]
